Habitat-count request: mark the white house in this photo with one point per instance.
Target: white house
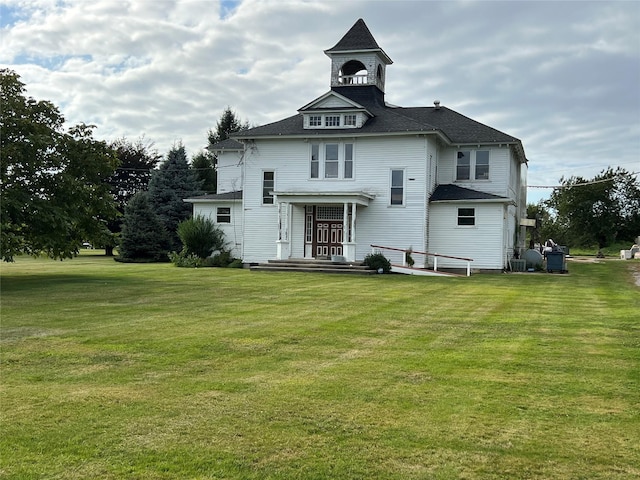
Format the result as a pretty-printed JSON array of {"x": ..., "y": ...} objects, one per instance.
[{"x": 349, "y": 171}]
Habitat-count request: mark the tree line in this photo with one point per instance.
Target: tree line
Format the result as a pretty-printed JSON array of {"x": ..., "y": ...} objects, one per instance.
[
  {"x": 596, "y": 212},
  {"x": 62, "y": 187}
]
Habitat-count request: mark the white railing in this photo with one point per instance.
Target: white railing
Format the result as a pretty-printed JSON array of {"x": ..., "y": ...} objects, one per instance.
[
  {"x": 435, "y": 257},
  {"x": 353, "y": 79}
]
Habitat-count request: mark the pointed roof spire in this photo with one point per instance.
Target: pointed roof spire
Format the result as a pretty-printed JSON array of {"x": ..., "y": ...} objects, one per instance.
[{"x": 358, "y": 39}]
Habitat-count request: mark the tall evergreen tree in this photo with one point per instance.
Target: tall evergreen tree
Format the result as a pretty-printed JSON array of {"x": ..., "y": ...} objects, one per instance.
[
  {"x": 203, "y": 164},
  {"x": 137, "y": 161},
  {"x": 144, "y": 237},
  {"x": 227, "y": 125},
  {"x": 170, "y": 184}
]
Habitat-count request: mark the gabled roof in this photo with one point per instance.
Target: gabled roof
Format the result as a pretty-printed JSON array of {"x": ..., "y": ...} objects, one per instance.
[
  {"x": 450, "y": 193},
  {"x": 316, "y": 104},
  {"x": 358, "y": 39}
]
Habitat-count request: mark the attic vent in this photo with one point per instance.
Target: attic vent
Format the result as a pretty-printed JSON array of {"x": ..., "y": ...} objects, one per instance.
[{"x": 437, "y": 104}]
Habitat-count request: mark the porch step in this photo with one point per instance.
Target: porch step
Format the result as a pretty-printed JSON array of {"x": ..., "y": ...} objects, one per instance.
[{"x": 313, "y": 265}]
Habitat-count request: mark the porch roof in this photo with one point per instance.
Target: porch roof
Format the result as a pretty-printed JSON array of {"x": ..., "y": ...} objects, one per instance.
[{"x": 359, "y": 197}]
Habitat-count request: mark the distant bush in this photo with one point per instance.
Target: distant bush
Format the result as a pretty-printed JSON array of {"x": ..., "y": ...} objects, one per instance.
[{"x": 377, "y": 261}]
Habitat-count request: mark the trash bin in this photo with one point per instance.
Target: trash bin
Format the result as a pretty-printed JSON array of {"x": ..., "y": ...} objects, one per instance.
[{"x": 556, "y": 261}]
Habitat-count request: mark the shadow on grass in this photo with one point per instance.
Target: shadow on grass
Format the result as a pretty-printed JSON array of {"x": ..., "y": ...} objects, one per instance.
[{"x": 10, "y": 284}]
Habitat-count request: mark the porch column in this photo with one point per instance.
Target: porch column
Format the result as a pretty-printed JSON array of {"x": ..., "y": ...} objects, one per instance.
[
  {"x": 349, "y": 236},
  {"x": 283, "y": 250}
]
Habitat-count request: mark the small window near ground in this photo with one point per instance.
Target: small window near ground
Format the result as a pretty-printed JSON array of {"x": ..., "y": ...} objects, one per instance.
[
  {"x": 223, "y": 215},
  {"x": 466, "y": 216},
  {"x": 268, "y": 184}
]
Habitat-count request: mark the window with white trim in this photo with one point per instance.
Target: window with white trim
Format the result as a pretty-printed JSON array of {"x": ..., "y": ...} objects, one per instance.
[
  {"x": 397, "y": 187},
  {"x": 332, "y": 121},
  {"x": 332, "y": 161},
  {"x": 466, "y": 217},
  {"x": 268, "y": 184},
  {"x": 223, "y": 214},
  {"x": 472, "y": 165}
]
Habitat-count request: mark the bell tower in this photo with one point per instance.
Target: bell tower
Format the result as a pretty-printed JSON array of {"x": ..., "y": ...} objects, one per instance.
[{"x": 357, "y": 60}]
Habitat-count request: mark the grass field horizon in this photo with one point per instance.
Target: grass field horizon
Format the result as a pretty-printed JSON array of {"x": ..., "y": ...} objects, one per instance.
[{"x": 148, "y": 371}]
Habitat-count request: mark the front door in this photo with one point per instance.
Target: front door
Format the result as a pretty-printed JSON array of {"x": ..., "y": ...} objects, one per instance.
[{"x": 326, "y": 235}]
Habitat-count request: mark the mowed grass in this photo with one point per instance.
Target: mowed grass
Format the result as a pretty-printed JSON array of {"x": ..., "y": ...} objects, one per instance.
[{"x": 116, "y": 371}]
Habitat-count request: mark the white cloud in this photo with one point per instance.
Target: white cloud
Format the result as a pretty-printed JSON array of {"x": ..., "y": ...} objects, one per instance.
[{"x": 561, "y": 76}]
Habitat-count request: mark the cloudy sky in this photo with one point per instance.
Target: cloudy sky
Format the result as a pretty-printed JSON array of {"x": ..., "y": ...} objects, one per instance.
[{"x": 564, "y": 77}]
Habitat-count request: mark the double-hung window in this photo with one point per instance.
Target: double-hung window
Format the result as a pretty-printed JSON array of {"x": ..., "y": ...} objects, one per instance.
[
  {"x": 397, "y": 187},
  {"x": 223, "y": 214},
  {"x": 315, "y": 121},
  {"x": 268, "y": 184},
  {"x": 332, "y": 161},
  {"x": 472, "y": 165},
  {"x": 466, "y": 217},
  {"x": 482, "y": 165}
]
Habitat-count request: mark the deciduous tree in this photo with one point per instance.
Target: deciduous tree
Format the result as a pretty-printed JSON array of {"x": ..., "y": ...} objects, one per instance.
[
  {"x": 597, "y": 211},
  {"x": 53, "y": 192}
]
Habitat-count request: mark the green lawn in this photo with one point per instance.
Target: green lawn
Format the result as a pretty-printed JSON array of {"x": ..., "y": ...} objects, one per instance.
[{"x": 113, "y": 371}]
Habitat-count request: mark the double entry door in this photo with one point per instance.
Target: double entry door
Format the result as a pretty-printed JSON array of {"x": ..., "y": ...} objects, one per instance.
[{"x": 324, "y": 230}]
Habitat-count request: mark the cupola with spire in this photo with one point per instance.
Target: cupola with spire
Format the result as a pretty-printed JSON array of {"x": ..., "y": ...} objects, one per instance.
[{"x": 357, "y": 60}]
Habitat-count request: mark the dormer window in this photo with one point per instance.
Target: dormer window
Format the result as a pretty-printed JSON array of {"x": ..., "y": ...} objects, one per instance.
[{"x": 332, "y": 120}]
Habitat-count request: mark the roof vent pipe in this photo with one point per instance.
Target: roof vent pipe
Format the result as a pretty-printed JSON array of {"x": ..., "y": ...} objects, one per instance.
[{"x": 437, "y": 104}]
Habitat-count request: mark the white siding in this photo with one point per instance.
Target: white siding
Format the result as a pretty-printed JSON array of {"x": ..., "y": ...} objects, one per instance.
[
  {"x": 483, "y": 242},
  {"x": 379, "y": 223},
  {"x": 229, "y": 172},
  {"x": 499, "y": 166},
  {"x": 232, "y": 231}
]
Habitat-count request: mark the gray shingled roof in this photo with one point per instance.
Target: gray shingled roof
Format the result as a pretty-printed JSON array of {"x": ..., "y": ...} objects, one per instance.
[
  {"x": 237, "y": 195},
  {"x": 357, "y": 38},
  {"x": 386, "y": 119},
  {"x": 454, "y": 192},
  {"x": 228, "y": 144}
]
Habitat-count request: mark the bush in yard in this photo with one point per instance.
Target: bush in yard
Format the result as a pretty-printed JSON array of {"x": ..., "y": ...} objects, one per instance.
[
  {"x": 377, "y": 261},
  {"x": 200, "y": 237}
]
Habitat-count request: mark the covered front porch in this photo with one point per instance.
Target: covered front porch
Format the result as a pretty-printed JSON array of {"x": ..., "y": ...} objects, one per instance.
[{"x": 328, "y": 227}]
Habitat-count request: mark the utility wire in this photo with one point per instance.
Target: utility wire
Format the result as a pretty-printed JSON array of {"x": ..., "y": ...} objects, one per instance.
[{"x": 582, "y": 184}]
